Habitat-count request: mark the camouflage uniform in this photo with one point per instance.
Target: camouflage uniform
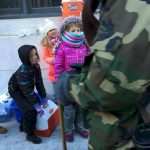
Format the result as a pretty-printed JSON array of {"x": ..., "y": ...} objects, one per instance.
[{"x": 115, "y": 74}]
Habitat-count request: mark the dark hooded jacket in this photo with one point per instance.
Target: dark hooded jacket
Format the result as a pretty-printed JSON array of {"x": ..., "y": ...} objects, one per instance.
[{"x": 27, "y": 77}]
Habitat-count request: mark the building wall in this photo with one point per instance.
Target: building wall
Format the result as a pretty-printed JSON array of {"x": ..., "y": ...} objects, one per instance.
[
  {"x": 10, "y": 9},
  {"x": 13, "y": 34}
]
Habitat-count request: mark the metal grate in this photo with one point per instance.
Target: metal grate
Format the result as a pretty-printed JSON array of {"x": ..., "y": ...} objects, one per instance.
[
  {"x": 9, "y": 4},
  {"x": 27, "y": 8},
  {"x": 44, "y": 3}
]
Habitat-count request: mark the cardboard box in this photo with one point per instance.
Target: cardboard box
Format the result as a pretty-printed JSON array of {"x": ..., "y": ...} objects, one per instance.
[{"x": 48, "y": 122}]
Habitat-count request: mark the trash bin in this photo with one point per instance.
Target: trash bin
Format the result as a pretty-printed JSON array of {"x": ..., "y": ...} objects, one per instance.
[
  {"x": 141, "y": 136},
  {"x": 72, "y": 8}
]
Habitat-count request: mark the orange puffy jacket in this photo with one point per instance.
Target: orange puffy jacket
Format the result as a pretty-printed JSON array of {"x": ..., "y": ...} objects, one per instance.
[{"x": 48, "y": 57}]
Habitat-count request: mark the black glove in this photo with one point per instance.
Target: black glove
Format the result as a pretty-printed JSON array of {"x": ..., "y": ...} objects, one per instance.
[
  {"x": 77, "y": 66},
  {"x": 144, "y": 107},
  {"x": 145, "y": 99},
  {"x": 62, "y": 86}
]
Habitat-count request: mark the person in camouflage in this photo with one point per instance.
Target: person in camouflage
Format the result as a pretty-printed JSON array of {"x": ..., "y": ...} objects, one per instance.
[{"x": 116, "y": 73}]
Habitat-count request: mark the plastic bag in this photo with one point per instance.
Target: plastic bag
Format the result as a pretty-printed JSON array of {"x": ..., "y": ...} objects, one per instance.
[{"x": 2, "y": 109}]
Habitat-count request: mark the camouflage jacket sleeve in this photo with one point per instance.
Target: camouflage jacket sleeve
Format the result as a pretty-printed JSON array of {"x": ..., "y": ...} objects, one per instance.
[{"x": 118, "y": 71}]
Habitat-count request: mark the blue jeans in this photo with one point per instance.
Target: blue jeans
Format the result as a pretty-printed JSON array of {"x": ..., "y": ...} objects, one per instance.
[
  {"x": 50, "y": 91},
  {"x": 54, "y": 98}
]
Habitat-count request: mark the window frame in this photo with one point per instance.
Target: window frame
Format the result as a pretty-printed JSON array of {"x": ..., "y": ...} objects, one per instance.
[{"x": 25, "y": 11}]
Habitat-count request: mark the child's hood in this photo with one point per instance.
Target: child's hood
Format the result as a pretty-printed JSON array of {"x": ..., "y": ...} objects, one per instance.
[{"x": 24, "y": 53}]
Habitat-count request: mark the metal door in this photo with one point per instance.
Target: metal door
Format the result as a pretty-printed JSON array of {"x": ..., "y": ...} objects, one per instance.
[
  {"x": 10, "y": 6},
  {"x": 27, "y": 8},
  {"x": 45, "y": 6}
]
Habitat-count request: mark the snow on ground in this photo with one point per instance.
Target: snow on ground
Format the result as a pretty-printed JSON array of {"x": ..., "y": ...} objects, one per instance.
[{"x": 15, "y": 140}]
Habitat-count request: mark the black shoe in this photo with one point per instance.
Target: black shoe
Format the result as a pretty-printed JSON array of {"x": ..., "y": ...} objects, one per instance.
[
  {"x": 3, "y": 130},
  {"x": 33, "y": 138},
  {"x": 21, "y": 128}
]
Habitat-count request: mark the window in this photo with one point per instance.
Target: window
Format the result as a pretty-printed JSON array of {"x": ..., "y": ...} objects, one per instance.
[{"x": 29, "y": 8}]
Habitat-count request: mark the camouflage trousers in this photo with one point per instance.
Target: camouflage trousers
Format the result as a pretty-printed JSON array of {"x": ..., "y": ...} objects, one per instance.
[{"x": 105, "y": 134}]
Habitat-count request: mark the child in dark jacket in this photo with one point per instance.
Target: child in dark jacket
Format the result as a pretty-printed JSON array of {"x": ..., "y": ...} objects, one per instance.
[
  {"x": 21, "y": 88},
  {"x": 71, "y": 48}
]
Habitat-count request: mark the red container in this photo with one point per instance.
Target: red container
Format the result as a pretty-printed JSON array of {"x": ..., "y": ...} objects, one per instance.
[
  {"x": 48, "y": 122},
  {"x": 72, "y": 8}
]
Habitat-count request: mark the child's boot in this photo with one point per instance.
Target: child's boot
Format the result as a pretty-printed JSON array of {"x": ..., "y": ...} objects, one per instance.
[
  {"x": 84, "y": 133},
  {"x": 33, "y": 138},
  {"x": 69, "y": 137}
]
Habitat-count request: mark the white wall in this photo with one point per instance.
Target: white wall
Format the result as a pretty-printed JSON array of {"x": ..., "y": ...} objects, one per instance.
[{"x": 10, "y": 41}]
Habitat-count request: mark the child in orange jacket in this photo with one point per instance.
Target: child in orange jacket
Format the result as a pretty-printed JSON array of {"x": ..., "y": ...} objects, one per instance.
[{"x": 47, "y": 43}]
